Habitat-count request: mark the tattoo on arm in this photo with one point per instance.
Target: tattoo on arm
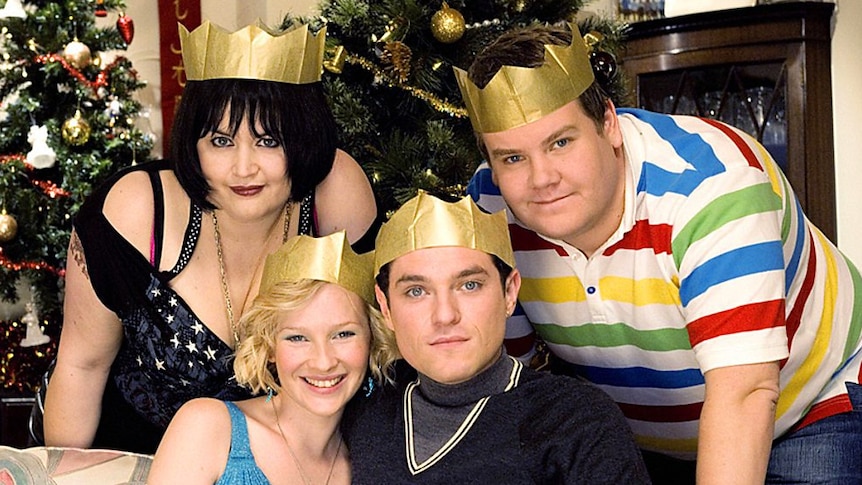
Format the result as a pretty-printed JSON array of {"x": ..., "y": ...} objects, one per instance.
[{"x": 76, "y": 251}]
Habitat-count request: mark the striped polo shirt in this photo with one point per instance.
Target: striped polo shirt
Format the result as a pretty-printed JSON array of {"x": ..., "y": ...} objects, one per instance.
[{"x": 713, "y": 265}]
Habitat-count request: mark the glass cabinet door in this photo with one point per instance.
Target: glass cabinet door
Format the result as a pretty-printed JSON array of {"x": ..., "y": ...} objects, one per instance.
[
  {"x": 751, "y": 97},
  {"x": 764, "y": 69}
]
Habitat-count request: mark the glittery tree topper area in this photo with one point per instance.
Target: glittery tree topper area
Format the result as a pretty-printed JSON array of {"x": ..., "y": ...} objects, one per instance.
[{"x": 69, "y": 120}]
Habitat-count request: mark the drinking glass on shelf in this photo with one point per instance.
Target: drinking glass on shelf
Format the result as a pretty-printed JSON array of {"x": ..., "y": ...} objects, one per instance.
[
  {"x": 775, "y": 132},
  {"x": 682, "y": 105},
  {"x": 751, "y": 109},
  {"x": 710, "y": 104},
  {"x": 744, "y": 120},
  {"x": 640, "y": 10},
  {"x": 718, "y": 105}
]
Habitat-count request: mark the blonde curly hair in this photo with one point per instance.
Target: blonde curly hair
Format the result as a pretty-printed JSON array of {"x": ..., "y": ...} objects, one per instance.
[
  {"x": 384, "y": 349},
  {"x": 253, "y": 361}
]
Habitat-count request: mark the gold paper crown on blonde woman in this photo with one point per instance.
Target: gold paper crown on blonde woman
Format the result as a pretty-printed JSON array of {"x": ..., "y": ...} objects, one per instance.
[
  {"x": 517, "y": 95},
  {"x": 427, "y": 222},
  {"x": 294, "y": 56},
  {"x": 328, "y": 258}
]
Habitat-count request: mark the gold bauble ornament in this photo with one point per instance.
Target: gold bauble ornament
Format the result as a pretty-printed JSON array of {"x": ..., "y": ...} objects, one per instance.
[
  {"x": 8, "y": 227},
  {"x": 447, "y": 25},
  {"x": 76, "y": 130},
  {"x": 77, "y": 54}
]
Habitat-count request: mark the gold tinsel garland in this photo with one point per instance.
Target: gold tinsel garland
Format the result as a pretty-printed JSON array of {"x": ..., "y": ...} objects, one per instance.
[{"x": 438, "y": 104}]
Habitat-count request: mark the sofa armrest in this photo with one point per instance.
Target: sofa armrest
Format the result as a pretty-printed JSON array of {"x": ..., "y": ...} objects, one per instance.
[{"x": 72, "y": 466}]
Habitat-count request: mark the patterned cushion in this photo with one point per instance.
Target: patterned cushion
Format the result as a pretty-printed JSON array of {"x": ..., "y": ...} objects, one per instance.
[{"x": 71, "y": 466}]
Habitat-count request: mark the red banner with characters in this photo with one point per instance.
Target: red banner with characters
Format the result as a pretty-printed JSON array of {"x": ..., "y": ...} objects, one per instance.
[{"x": 172, "y": 12}]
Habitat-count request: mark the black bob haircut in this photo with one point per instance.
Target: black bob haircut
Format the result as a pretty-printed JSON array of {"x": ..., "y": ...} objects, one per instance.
[{"x": 297, "y": 116}]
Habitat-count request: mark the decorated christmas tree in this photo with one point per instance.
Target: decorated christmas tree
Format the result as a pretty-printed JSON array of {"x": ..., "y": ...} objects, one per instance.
[
  {"x": 67, "y": 121},
  {"x": 390, "y": 80}
]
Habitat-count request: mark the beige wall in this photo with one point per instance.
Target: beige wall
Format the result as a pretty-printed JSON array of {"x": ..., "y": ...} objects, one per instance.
[
  {"x": 234, "y": 14},
  {"x": 846, "y": 83},
  {"x": 847, "y": 106}
]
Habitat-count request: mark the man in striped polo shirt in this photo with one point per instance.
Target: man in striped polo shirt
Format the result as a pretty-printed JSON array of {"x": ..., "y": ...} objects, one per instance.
[{"x": 667, "y": 260}]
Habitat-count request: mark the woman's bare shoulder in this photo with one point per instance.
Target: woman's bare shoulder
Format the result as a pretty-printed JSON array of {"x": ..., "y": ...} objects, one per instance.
[
  {"x": 205, "y": 415},
  {"x": 130, "y": 205},
  {"x": 196, "y": 444},
  {"x": 344, "y": 199}
]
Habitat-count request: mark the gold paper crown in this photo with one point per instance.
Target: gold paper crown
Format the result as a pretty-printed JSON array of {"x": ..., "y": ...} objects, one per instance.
[
  {"x": 516, "y": 95},
  {"x": 329, "y": 258},
  {"x": 427, "y": 222},
  {"x": 294, "y": 56}
]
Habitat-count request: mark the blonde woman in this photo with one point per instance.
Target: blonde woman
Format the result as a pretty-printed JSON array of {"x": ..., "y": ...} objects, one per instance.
[{"x": 306, "y": 343}]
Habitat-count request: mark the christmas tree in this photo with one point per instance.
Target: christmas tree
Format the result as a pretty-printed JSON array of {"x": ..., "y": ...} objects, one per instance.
[
  {"x": 390, "y": 81},
  {"x": 67, "y": 121}
]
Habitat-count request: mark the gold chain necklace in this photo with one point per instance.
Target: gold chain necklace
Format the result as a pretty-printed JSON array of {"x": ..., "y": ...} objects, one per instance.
[
  {"x": 302, "y": 474},
  {"x": 288, "y": 212}
]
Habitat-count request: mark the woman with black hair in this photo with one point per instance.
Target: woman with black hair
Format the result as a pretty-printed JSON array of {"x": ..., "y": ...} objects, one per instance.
[{"x": 166, "y": 257}]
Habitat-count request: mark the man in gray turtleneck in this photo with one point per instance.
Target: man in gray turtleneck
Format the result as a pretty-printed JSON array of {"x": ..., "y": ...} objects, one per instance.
[{"x": 461, "y": 410}]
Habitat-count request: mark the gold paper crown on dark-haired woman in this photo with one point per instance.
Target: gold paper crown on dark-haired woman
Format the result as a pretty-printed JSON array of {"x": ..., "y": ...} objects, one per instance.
[{"x": 294, "y": 56}]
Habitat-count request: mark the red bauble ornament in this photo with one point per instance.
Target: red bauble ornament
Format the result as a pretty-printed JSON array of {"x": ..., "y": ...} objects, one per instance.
[
  {"x": 126, "y": 26},
  {"x": 100, "y": 9}
]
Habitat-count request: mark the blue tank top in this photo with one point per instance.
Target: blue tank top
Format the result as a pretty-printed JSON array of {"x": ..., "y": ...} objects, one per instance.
[{"x": 240, "y": 466}]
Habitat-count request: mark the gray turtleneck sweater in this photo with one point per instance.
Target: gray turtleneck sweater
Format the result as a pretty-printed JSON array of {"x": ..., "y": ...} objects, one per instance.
[{"x": 507, "y": 425}]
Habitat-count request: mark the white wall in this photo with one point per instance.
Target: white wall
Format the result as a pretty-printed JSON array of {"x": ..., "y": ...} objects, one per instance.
[
  {"x": 846, "y": 106},
  {"x": 846, "y": 83},
  {"x": 235, "y": 14},
  {"x": 144, "y": 54}
]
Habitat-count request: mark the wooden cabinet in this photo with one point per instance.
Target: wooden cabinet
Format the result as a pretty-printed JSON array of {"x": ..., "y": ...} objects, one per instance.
[{"x": 765, "y": 69}]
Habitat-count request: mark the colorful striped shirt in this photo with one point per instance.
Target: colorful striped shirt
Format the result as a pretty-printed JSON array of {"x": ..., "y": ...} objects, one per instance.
[{"x": 713, "y": 265}]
